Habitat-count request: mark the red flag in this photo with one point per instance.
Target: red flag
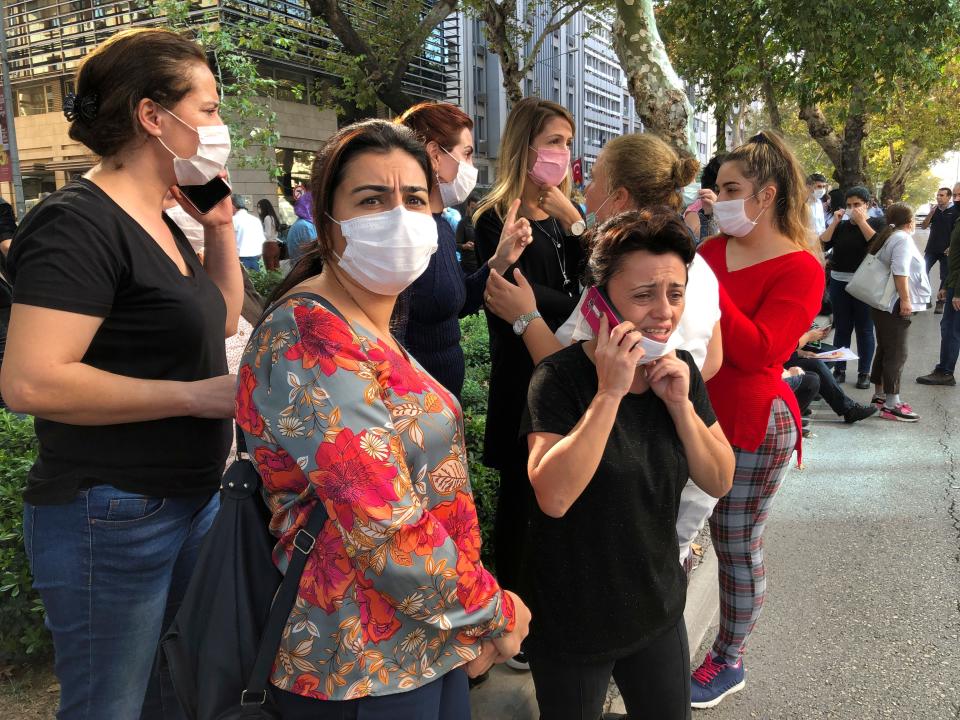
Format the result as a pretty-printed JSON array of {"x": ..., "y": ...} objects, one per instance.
[{"x": 578, "y": 171}]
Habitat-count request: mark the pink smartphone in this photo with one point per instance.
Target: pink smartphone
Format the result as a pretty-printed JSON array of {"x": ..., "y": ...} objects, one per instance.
[{"x": 595, "y": 305}]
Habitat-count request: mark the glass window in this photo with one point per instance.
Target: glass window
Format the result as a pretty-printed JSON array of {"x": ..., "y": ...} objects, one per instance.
[{"x": 35, "y": 99}]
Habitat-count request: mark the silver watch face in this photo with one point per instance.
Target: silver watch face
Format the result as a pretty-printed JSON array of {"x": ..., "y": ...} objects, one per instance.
[
  {"x": 578, "y": 227},
  {"x": 519, "y": 325}
]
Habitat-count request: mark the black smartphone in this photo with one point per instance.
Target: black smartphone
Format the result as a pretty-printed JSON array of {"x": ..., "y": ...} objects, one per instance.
[{"x": 206, "y": 197}]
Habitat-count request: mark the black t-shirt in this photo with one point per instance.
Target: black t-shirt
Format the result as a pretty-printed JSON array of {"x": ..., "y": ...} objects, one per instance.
[
  {"x": 941, "y": 225},
  {"x": 78, "y": 251},
  {"x": 849, "y": 245},
  {"x": 544, "y": 262},
  {"x": 604, "y": 579}
]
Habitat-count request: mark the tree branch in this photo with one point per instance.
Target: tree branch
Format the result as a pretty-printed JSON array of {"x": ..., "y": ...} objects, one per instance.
[
  {"x": 551, "y": 28},
  {"x": 412, "y": 45},
  {"x": 824, "y": 134}
]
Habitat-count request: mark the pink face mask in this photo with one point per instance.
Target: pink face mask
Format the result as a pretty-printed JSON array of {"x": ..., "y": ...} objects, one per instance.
[{"x": 551, "y": 166}]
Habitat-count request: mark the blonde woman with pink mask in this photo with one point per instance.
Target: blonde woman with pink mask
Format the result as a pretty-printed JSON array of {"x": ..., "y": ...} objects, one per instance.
[{"x": 534, "y": 167}]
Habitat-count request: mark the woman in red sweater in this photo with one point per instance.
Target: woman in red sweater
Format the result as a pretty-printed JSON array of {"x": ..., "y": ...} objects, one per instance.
[{"x": 770, "y": 290}]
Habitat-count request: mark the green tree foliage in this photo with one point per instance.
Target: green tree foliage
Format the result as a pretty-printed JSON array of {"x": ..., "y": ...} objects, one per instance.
[
  {"x": 376, "y": 43},
  {"x": 844, "y": 65}
]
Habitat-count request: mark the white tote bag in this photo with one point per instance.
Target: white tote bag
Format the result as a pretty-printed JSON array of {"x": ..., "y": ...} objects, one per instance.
[{"x": 873, "y": 283}]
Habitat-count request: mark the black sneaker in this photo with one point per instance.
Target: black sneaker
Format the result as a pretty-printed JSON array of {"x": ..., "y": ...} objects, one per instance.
[
  {"x": 937, "y": 377},
  {"x": 859, "y": 412},
  {"x": 840, "y": 376},
  {"x": 863, "y": 381}
]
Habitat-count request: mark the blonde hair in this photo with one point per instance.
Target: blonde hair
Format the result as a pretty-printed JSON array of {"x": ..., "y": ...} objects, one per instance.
[
  {"x": 525, "y": 122},
  {"x": 766, "y": 158},
  {"x": 648, "y": 168}
]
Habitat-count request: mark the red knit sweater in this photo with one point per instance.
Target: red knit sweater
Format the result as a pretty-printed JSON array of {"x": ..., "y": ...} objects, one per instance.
[{"x": 764, "y": 309}]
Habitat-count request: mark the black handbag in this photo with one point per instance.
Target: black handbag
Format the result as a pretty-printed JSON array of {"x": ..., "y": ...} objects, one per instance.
[{"x": 220, "y": 647}]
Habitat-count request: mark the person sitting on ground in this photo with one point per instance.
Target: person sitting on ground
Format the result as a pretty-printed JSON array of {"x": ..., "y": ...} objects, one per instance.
[
  {"x": 250, "y": 237},
  {"x": 805, "y": 387},
  {"x": 950, "y": 322},
  {"x": 838, "y": 401},
  {"x": 334, "y": 411},
  {"x": 894, "y": 247},
  {"x": 848, "y": 236},
  {"x": 698, "y": 215},
  {"x": 613, "y": 437}
]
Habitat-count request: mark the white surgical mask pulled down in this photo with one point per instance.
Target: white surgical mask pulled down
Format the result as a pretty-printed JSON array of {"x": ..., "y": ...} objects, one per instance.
[
  {"x": 387, "y": 251},
  {"x": 210, "y": 158},
  {"x": 818, "y": 193},
  {"x": 459, "y": 189},
  {"x": 732, "y": 218},
  {"x": 652, "y": 349}
]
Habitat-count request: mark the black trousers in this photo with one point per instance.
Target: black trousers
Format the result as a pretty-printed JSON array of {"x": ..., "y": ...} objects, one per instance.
[
  {"x": 514, "y": 501},
  {"x": 805, "y": 388},
  {"x": 830, "y": 391},
  {"x": 654, "y": 681}
]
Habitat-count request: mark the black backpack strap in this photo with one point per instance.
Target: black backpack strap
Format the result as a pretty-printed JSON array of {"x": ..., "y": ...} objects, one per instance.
[
  {"x": 303, "y": 542},
  {"x": 256, "y": 692}
]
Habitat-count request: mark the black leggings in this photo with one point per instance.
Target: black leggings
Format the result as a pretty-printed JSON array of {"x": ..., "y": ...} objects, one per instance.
[{"x": 654, "y": 681}]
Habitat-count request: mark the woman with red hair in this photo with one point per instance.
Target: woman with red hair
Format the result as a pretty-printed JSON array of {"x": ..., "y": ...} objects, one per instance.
[{"x": 426, "y": 318}]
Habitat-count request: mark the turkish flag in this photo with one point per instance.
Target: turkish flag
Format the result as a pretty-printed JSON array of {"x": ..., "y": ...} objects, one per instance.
[{"x": 578, "y": 171}]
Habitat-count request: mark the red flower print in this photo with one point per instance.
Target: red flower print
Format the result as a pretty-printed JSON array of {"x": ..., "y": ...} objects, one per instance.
[
  {"x": 325, "y": 340},
  {"x": 445, "y": 397},
  {"x": 422, "y": 537},
  {"x": 279, "y": 470},
  {"x": 328, "y": 573},
  {"x": 475, "y": 586},
  {"x": 355, "y": 482},
  {"x": 248, "y": 417},
  {"x": 377, "y": 615},
  {"x": 308, "y": 686},
  {"x": 459, "y": 517},
  {"x": 395, "y": 373}
]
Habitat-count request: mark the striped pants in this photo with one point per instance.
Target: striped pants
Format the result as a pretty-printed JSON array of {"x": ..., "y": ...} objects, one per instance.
[{"x": 737, "y": 528}]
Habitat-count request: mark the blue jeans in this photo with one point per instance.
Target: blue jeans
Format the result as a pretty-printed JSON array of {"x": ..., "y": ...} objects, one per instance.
[
  {"x": 446, "y": 698},
  {"x": 849, "y": 315},
  {"x": 949, "y": 336},
  {"x": 251, "y": 263},
  {"x": 932, "y": 260},
  {"x": 111, "y": 568}
]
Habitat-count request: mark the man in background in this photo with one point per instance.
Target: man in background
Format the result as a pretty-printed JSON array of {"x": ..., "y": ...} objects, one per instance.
[{"x": 940, "y": 221}]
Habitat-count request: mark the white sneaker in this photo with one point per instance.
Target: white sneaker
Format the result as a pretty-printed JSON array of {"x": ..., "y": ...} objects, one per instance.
[{"x": 519, "y": 662}]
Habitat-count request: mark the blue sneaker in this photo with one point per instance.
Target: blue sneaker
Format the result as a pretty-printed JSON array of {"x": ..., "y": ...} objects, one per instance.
[{"x": 713, "y": 681}]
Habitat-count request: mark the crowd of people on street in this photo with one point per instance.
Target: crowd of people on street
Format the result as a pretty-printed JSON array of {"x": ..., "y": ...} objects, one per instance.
[{"x": 652, "y": 369}]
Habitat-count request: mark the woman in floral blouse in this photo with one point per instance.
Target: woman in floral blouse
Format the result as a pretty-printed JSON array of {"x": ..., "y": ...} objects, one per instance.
[{"x": 394, "y": 598}]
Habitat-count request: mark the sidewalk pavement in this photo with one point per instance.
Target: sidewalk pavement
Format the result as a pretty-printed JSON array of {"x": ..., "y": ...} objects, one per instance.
[{"x": 509, "y": 695}]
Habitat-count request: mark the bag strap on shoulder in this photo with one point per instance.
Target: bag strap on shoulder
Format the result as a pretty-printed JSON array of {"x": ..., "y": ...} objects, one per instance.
[{"x": 255, "y": 693}]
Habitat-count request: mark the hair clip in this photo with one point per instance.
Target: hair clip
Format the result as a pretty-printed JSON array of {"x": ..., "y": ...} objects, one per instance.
[{"x": 81, "y": 107}]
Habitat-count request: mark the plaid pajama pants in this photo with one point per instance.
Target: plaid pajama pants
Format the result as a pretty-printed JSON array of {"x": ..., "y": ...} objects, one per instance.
[{"x": 737, "y": 528}]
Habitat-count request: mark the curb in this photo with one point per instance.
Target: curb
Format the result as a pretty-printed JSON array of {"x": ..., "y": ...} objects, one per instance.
[{"x": 509, "y": 694}]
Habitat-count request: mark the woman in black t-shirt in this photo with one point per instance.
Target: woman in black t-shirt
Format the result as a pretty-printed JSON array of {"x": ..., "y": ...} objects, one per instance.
[
  {"x": 613, "y": 436},
  {"x": 533, "y": 166},
  {"x": 116, "y": 345}
]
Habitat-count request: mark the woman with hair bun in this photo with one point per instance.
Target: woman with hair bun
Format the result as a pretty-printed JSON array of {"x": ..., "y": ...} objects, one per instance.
[
  {"x": 770, "y": 289},
  {"x": 116, "y": 346},
  {"x": 614, "y": 431}
]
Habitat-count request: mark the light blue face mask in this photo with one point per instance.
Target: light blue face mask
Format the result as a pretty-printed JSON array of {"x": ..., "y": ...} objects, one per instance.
[{"x": 592, "y": 217}]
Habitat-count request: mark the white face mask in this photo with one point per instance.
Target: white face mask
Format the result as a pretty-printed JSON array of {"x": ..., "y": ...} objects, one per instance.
[
  {"x": 387, "y": 251},
  {"x": 459, "y": 189},
  {"x": 732, "y": 218},
  {"x": 655, "y": 350},
  {"x": 818, "y": 193},
  {"x": 209, "y": 160}
]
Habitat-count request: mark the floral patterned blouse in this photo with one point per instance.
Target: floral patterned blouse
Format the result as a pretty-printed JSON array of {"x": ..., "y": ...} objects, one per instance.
[{"x": 393, "y": 594}]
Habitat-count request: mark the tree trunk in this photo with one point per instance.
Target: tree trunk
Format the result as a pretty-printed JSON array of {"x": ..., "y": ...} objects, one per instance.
[
  {"x": 738, "y": 125},
  {"x": 720, "y": 115},
  {"x": 846, "y": 152},
  {"x": 657, "y": 91},
  {"x": 895, "y": 185},
  {"x": 497, "y": 17}
]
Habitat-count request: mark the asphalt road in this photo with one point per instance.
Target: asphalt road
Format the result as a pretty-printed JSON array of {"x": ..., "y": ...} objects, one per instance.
[{"x": 863, "y": 564}]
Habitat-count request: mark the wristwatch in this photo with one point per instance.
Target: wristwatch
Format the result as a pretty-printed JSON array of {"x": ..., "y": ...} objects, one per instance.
[
  {"x": 578, "y": 228},
  {"x": 521, "y": 324}
]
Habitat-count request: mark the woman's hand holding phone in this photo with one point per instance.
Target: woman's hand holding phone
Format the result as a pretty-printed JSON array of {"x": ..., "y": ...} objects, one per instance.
[
  {"x": 616, "y": 356},
  {"x": 220, "y": 214}
]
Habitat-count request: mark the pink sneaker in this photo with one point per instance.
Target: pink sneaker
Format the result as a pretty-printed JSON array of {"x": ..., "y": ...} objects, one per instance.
[{"x": 902, "y": 413}]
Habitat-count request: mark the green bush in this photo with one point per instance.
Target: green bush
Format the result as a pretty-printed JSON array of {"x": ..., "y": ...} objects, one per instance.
[
  {"x": 485, "y": 481},
  {"x": 21, "y": 614},
  {"x": 265, "y": 280}
]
